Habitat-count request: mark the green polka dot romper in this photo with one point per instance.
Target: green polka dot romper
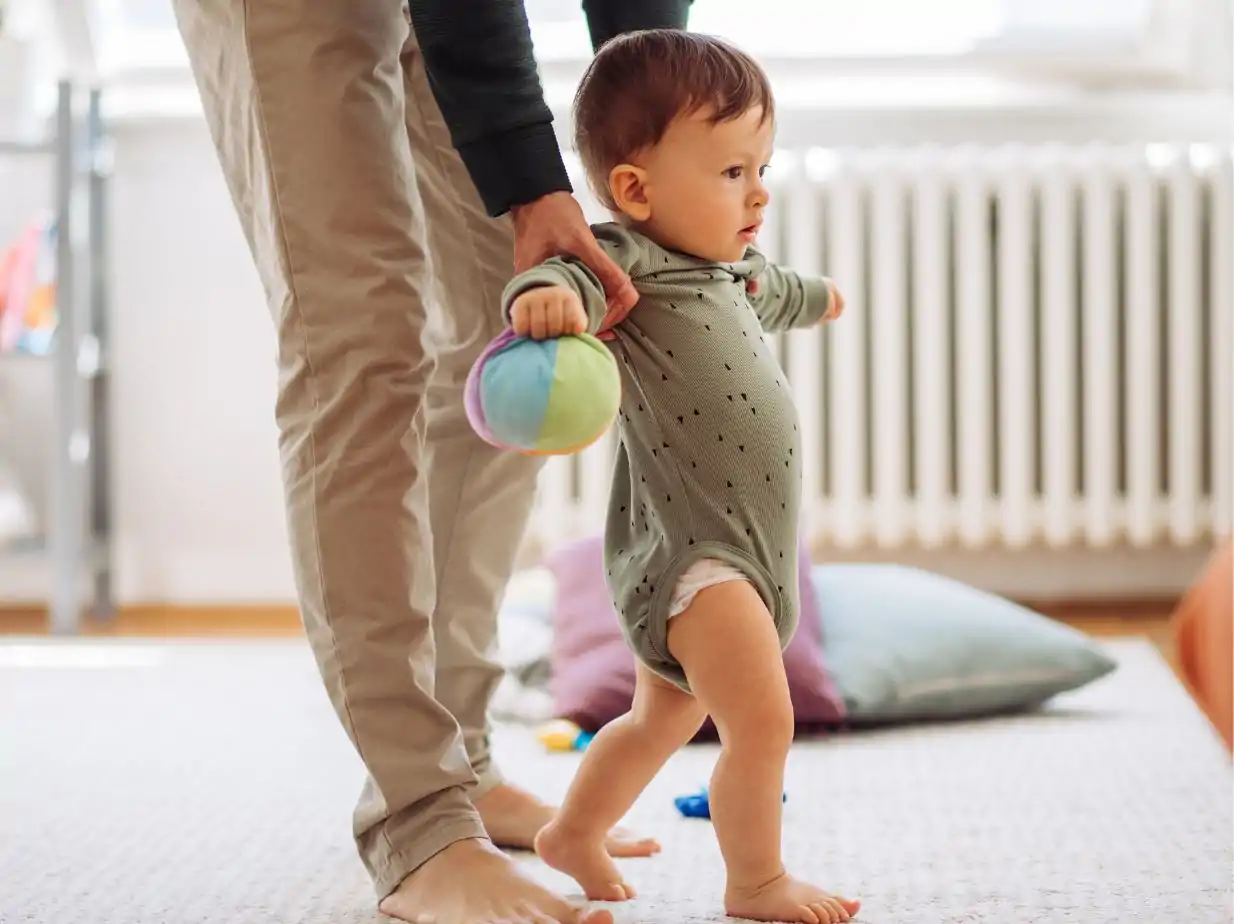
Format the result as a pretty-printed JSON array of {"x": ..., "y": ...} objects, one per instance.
[{"x": 708, "y": 458}]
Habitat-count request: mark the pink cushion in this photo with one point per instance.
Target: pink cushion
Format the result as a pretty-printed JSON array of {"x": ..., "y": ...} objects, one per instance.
[{"x": 592, "y": 679}]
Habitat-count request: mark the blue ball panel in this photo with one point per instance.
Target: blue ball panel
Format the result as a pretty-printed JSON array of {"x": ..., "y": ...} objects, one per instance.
[{"x": 515, "y": 385}]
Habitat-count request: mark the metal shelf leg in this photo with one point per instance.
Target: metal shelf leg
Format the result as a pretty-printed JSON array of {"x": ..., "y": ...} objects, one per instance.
[{"x": 65, "y": 540}]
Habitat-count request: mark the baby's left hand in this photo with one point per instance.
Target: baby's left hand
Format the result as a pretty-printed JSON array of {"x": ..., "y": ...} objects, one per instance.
[{"x": 837, "y": 303}]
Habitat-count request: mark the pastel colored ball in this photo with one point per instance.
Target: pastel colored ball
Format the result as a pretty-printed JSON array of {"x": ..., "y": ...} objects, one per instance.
[{"x": 543, "y": 397}]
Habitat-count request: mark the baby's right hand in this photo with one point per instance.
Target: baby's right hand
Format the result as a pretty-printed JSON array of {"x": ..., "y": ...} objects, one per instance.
[
  {"x": 548, "y": 311},
  {"x": 837, "y": 303}
]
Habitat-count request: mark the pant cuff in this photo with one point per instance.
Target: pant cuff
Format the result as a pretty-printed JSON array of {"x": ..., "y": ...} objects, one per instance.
[
  {"x": 396, "y": 867},
  {"x": 490, "y": 777}
]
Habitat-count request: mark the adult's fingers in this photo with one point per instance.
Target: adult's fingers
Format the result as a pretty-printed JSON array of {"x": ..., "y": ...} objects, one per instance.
[{"x": 618, "y": 289}]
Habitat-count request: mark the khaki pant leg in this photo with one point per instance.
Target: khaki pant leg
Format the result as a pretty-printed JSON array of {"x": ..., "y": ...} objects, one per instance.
[
  {"x": 305, "y": 101},
  {"x": 480, "y": 498}
]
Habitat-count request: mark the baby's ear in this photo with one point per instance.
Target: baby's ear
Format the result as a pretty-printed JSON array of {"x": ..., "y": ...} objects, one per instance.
[{"x": 627, "y": 184}]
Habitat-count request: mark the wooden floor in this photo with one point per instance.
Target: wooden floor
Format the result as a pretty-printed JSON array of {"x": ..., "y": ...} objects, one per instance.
[
  {"x": 1146, "y": 618},
  {"x": 1157, "y": 629},
  {"x": 170, "y": 621}
]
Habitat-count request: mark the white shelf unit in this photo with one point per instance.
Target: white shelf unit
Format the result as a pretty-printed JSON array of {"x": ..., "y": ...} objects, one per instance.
[{"x": 76, "y": 541}]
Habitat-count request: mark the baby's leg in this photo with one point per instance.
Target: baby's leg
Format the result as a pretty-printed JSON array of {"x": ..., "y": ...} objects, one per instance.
[
  {"x": 617, "y": 766},
  {"x": 730, "y": 651}
]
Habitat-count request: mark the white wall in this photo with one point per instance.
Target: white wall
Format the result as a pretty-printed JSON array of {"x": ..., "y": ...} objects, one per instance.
[
  {"x": 198, "y": 502},
  {"x": 199, "y": 513},
  {"x": 199, "y": 499}
]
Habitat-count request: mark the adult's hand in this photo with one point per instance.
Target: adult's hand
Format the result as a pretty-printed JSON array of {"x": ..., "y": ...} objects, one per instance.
[{"x": 554, "y": 226}]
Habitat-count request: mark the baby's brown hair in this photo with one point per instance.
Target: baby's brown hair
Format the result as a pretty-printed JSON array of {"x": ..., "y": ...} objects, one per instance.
[{"x": 640, "y": 82}]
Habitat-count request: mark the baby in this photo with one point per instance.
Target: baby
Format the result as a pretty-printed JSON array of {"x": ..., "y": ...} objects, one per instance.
[{"x": 675, "y": 130}]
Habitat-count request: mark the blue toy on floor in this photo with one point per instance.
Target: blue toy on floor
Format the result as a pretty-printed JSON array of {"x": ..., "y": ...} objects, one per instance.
[{"x": 697, "y": 805}]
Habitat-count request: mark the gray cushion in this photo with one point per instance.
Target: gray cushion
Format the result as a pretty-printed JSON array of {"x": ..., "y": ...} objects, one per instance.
[{"x": 904, "y": 644}]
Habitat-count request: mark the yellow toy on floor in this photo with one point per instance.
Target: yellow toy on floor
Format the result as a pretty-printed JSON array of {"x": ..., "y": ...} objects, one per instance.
[{"x": 563, "y": 735}]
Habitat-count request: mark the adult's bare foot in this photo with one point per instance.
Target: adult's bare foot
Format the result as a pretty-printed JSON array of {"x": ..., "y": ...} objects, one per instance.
[
  {"x": 472, "y": 882},
  {"x": 513, "y": 817}
]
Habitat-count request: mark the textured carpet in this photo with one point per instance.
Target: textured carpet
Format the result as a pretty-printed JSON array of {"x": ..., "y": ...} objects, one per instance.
[{"x": 197, "y": 783}]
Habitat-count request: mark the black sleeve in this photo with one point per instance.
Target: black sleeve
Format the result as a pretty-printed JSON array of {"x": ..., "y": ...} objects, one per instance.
[
  {"x": 482, "y": 70},
  {"x": 609, "y": 18}
]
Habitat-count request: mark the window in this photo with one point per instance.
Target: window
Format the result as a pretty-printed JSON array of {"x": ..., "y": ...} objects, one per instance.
[
  {"x": 796, "y": 29},
  {"x": 1055, "y": 39},
  {"x": 136, "y": 35},
  {"x": 1174, "y": 43}
]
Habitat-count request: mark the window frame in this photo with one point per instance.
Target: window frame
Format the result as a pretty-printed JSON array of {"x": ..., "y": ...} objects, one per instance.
[
  {"x": 1160, "y": 47},
  {"x": 145, "y": 75}
]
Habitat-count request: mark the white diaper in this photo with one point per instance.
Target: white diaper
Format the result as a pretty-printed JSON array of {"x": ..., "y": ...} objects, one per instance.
[{"x": 704, "y": 573}]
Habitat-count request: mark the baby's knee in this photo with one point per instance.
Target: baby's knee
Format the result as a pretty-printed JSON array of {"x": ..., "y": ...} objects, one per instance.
[
  {"x": 764, "y": 722},
  {"x": 662, "y": 709},
  {"x": 679, "y": 721}
]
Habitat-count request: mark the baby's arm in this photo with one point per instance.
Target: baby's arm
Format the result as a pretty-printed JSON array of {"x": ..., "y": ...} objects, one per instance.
[
  {"x": 562, "y": 295},
  {"x": 785, "y": 299}
]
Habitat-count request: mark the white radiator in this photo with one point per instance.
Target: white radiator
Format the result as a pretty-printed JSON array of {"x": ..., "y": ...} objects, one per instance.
[{"x": 1037, "y": 350}]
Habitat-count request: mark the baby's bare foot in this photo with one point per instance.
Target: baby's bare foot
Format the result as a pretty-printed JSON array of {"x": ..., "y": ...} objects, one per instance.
[
  {"x": 471, "y": 882},
  {"x": 787, "y": 899},
  {"x": 584, "y": 859}
]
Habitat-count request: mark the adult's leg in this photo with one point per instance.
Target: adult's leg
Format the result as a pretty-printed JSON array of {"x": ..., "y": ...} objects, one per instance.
[
  {"x": 479, "y": 497},
  {"x": 305, "y": 103}
]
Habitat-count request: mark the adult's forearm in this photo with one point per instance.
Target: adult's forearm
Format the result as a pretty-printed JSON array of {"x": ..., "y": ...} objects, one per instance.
[
  {"x": 607, "y": 19},
  {"x": 481, "y": 66}
]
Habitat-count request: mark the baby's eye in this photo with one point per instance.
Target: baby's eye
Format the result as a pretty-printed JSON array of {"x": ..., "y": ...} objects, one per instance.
[
  {"x": 733, "y": 173},
  {"x": 762, "y": 171}
]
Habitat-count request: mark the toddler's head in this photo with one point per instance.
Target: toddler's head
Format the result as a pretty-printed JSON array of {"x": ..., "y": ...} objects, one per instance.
[{"x": 675, "y": 130}]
